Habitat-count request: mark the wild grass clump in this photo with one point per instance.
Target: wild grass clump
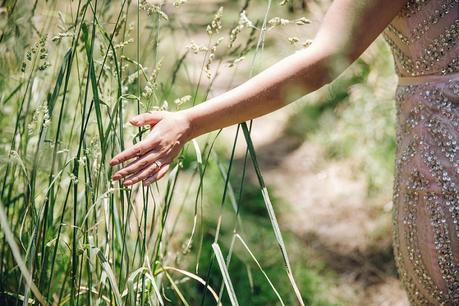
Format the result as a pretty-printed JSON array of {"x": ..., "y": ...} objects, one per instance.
[{"x": 72, "y": 74}]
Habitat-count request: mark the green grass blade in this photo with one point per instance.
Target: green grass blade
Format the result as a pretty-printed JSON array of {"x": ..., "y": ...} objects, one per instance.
[
  {"x": 17, "y": 256},
  {"x": 225, "y": 274},
  {"x": 111, "y": 276},
  {"x": 89, "y": 43},
  {"x": 271, "y": 213},
  {"x": 260, "y": 267}
]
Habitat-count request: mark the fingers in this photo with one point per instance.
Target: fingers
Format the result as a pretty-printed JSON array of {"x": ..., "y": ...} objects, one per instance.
[
  {"x": 147, "y": 118},
  {"x": 138, "y": 149},
  {"x": 143, "y": 174},
  {"x": 136, "y": 165},
  {"x": 161, "y": 172},
  {"x": 143, "y": 146}
]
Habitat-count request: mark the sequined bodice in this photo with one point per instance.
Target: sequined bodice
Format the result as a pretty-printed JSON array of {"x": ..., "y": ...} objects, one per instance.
[{"x": 424, "y": 38}]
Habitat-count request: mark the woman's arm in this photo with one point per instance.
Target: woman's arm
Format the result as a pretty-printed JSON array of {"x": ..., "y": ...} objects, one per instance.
[{"x": 348, "y": 28}]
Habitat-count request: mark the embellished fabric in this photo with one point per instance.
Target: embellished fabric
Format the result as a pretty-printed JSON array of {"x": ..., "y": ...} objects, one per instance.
[{"x": 424, "y": 39}]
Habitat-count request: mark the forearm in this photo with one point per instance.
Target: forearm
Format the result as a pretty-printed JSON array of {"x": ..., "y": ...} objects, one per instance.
[{"x": 273, "y": 88}]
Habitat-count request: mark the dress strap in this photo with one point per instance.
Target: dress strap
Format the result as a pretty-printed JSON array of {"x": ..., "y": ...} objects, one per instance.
[{"x": 434, "y": 78}]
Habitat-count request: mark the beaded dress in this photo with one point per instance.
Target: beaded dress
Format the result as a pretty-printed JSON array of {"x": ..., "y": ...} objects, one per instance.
[{"x": 424, "y": 39}]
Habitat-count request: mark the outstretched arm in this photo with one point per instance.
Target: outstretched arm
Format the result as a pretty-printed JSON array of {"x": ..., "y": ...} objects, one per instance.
[{"x": 348, "y": 28}]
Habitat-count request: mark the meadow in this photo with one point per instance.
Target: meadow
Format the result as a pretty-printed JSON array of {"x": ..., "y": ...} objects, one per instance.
[{"x": 289, "y": 209}]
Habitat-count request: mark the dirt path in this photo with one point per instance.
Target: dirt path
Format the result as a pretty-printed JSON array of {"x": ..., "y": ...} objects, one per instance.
[{"x": 330, "y": 213}]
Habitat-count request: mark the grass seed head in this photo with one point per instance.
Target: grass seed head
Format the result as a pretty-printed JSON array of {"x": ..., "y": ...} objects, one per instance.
[
  {"x": 211, "y": 57},
  {"x": 179, "y": 2},
  {"x": 216, "y": 25},
  {"x": 302, "y": 21},
  {"x": 180, "y": 101},
  {"x": 293, "y": 40},
  {"x": 151, "y": 9}
]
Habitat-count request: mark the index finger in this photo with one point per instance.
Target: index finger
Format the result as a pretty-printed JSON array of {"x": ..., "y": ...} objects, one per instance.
[{"x": 138, "y": 149}]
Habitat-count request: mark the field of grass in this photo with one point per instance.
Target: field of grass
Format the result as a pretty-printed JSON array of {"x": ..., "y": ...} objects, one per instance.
[{"x": 73, "y": 72}]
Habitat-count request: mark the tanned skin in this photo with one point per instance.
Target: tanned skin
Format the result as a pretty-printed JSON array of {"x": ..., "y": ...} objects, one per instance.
[{"x": 348, "y": 28}]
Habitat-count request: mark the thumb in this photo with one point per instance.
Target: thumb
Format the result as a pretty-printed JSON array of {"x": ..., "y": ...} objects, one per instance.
[{"x": 152, "y": 117}]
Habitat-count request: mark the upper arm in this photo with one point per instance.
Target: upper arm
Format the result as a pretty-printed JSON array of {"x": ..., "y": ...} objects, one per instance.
[{"x": 350, "y": 26}]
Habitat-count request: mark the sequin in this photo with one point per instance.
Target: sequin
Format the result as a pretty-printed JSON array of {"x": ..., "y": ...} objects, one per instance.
[
  {"x": 432, "y": 19},
  {"x": 412, "y": 7}
]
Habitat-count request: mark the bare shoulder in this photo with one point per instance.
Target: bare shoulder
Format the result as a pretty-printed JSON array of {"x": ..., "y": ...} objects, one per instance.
[{"x": 352, "y": 25}]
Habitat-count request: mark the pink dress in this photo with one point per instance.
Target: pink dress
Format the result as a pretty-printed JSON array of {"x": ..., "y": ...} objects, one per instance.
[{"x": 424, "y": 42}]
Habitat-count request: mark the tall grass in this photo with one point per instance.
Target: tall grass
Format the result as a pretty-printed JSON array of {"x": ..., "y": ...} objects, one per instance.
[{"x": 69, "y": 234}]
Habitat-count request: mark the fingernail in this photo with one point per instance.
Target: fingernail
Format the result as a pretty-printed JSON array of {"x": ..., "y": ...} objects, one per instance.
[
  {"x": 128, "y": 182},
  {"x": 116, "y": 176},
  {"x": 134, "y": 120},
  {"x": 113, "y": 162}
]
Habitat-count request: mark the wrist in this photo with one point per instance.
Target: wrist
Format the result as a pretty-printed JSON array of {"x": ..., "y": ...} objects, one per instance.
[{"x": 187, "y": 115}]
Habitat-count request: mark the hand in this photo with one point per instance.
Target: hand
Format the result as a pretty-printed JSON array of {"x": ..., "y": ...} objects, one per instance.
[{"x": 169, "y": 132}]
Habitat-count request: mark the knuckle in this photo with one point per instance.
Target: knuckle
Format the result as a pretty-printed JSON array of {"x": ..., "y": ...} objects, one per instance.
[
  {"x": 151, "y": 170},
  {"x": 143, "y": 163},
  {"x": 162, "y": 151},
  {"x": 154, "y": 156},
  {"x": 131, "y": 168},
  {"x": 137, "y": 150},
  {"x": 144, "y": 175},
  {"x": 130, "y": 171},
  {"x": 151, "y": 158},
  {"x": 126, "y": 170}
]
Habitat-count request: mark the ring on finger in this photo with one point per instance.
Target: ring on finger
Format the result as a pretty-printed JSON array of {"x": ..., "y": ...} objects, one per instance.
[{"x": 157, "y": 163}]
